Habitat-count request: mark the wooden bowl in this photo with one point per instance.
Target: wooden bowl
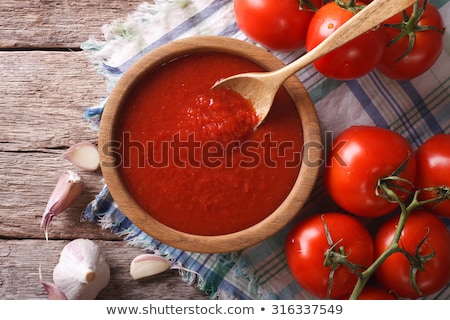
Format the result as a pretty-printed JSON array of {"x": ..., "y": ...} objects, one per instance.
[{"x": 235, "y": 241}]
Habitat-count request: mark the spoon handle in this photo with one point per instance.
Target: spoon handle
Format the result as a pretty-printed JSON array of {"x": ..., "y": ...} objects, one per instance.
[{"x": 369, "y": 17}]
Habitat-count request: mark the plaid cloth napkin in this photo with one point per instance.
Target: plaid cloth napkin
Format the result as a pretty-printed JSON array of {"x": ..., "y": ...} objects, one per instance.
[{"x": 416, "y": 109}]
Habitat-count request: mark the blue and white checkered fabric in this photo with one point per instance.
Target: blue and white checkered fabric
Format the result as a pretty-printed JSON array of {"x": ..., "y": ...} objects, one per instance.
[{"x": 417, "y": 109}]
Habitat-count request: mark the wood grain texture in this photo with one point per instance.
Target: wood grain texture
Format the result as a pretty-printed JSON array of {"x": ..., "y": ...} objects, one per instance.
[
  {"x": 41, "y": 117},
  {"x": 19, "y": 272},
  {"x": 50, "y": 24},
  {"x": 44, "y": 94},
  {"x": 46, "y": 83}
]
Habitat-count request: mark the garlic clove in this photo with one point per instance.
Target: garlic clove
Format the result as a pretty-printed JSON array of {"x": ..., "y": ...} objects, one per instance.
[
  {"x": 67, "y": 190},
  {"x": 52, "y": 291},
  {"x": 84, "y": 155},
  {"x": 82, "y": 271},
  {"x": 146, "y": 265}
]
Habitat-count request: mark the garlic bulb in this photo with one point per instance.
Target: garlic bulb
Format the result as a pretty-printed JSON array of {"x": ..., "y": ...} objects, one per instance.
[{"x": 82, "y": 271}]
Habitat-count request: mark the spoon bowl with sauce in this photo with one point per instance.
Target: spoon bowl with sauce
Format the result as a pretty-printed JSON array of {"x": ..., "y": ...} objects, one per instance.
[{"x": 260, "y": 88}]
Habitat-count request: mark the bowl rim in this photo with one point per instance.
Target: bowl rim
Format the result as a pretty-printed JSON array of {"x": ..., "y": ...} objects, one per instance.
[{"x": 239, "y": 240}]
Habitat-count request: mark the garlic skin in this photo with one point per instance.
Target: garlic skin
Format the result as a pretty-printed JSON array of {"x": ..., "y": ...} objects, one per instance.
[
  {"x": 146, "y": 265},
  {"x": 66, "y": 191},
  {"x": 52, "y": 291},
  {"x": 82, "y": 271},
  {"x": 84, "y": 155}
]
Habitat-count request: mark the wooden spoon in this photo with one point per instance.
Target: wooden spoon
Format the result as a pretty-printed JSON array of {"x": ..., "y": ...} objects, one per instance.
[{"x": 260, "y": 87}]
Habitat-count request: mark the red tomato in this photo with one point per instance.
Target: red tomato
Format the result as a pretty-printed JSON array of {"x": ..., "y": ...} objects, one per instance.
[
  {"x": 375, "y": 293},
  {"x": 433, "y": 170},
  {"x": 426, "y": 50},
  {"x": 360, "y": 157},
  {"x": 352, "y": 60},
  {"x": 277, "y": 25},
  {"x": 394, "y": 272},
  {"x": 306, "y": 245}
]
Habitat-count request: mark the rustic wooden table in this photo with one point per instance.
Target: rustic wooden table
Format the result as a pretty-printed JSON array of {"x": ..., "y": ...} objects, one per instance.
[{"x": 46, "y": 83}]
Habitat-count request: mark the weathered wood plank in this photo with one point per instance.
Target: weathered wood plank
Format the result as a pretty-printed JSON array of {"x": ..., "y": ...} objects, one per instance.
[
  {"x": 19, "y": 272},
  {"x": 26, "y": 181},
  {"x": 43, "y": 96},
  {"x": 42, "y": 103},
  {"x": 57, "y": 24}
]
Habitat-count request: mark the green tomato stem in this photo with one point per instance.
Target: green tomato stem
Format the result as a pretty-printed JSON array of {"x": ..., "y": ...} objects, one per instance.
[
  {"x": 394, "y": 245},
  {"x": 307, "y": 5},
  {"x": 349, "y": 5}
]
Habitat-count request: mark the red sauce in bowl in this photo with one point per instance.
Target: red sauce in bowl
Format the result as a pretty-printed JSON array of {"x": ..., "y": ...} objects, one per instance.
[{"x": 189, "y": 155}]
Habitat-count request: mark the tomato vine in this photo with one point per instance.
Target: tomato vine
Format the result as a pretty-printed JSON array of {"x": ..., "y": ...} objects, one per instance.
[
  {"x": 416, "y": 261},
  {"x": 409, "y": 253}
]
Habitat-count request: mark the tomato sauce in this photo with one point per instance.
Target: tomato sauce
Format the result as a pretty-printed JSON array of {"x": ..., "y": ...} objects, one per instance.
[{"x": 189, "y": 155}]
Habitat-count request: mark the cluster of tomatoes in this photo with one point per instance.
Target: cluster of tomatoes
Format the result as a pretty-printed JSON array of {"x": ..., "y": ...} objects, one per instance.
[
  {"x": 393, "y": 200},
  {"x": 385, "y": 190},
  {"x": 404, "y": 47}
]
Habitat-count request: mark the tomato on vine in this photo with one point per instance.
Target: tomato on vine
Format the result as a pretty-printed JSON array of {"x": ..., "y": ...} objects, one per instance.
[
  {"x": 352, "y": 60},
  {"x": 363, "y": 160},
  {"x": 319, "y": 248},
  {"x": 276, "y": 25},
  {"x": 423, "y": 268},
  {"x": 414, "y": 41},
  {"x": 433, "y": 172}
]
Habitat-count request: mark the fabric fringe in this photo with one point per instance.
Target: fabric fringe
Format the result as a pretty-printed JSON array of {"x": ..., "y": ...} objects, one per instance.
[{"x": 125, "y": 38}]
